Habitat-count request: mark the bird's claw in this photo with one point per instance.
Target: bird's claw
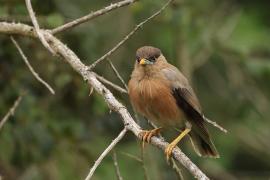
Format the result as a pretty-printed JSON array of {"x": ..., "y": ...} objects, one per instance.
[
  {"x": 168, "y": 151},
  {"x": 147, "y": 135}
]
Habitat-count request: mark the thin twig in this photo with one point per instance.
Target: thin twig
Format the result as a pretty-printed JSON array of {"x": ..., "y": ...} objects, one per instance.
[
  {"x": 142, "y": 150},
  {"x": 11, "y": 111},
  {"x": 30, "y": 67},
  {"x": 142, "y": 160},
  {"x": 117, "y": 74},
  {"x": 146, "y": 177},
  {"x": 105, "y": 152},
  {"x": 116, "y": 166},
  {"x": 91, "y": 15},
  {"x": 91, "y": 91},
  {"x": 177, "y": 169},
  {"x": 215, "y": 124},
  {"x": 105, "y": 81},
  {"x": 129, "y": 35},
  {"x": 36, "y": 25},
  {"x": 131, "y": 156}
]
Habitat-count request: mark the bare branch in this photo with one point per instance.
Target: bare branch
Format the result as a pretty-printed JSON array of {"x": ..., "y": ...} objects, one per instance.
[
  {"x": 30, "y": 67},
  {"x": 146, "y": 177},
  {"x": 105, "y": 152},
  {"x": 131, "y": 156},
  {"x": 70, "y": 57},
  {"x": 215, "y": 124},
  {"x": 92, "y": 15},
  {"x": 11, "y": 111},
  {"x": 140, "y": 160},
  {"x": 116, "y": 166},
  {"x": 129, "y": 35},
  {"x": 37, "y": 29},
  {"x": 117, "y": 74},
  {"x": 105, "y": 81}
]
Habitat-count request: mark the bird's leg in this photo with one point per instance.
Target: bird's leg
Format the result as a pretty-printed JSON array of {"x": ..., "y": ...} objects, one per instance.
[
  {"x": 169, "y": 148},
  {"x": 146, "y": 135}
]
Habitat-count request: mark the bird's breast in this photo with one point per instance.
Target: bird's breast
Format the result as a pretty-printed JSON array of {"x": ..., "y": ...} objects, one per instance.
[{"x": 153, "y": 99}]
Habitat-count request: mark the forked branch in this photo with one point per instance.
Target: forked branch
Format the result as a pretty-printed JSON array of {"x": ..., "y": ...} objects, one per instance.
[{"x": 36, "y": 26}]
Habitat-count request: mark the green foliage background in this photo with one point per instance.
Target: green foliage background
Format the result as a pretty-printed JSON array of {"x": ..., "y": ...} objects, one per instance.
[{"x": 222, "y": 46}]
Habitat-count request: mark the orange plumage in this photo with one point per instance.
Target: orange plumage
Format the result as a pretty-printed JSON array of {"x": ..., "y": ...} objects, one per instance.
[
  {"x": 161, "y": 93},
  {"x": 151, "y": 97}
]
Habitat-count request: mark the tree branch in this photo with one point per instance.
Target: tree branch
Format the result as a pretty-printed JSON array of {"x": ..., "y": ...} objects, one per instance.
[
  {"x": 116, "y": 166},
  {"x": 105, "y": 81},
  {"x": 105, "y": 152},
  {"x": 70, "y": 57},
  {"x": 117, "y": 74},
  {"x": 10, "y": 112},
  {"x": 30, "y": 67},
  {"x": 129, "y": 35},
  {"x": 215, "y": 124},
  {"x": 92, "y": 15},
  {"x": 37, "y": 29},
  {"x": 146, "y": 177},
  {"x": 132, "y": 156}
]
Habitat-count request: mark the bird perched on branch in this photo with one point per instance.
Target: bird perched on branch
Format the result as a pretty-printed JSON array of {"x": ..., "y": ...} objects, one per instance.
[{"x": 161, "y": 93}]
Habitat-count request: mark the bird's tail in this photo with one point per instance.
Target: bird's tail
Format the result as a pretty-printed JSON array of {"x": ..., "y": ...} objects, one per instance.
[{"x": 203, "y": 147}]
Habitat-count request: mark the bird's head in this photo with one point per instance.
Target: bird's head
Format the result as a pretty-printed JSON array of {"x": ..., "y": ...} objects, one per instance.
[{"x": 147, "y": 55}]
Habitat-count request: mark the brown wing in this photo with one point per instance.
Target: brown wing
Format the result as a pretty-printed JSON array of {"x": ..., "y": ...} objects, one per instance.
[
  {"x": 186, "y": 100},
  {"x": 199, "y": 135}
]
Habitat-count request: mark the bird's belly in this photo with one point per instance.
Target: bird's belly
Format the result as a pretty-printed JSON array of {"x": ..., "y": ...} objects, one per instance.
[
  {"x": 161, "y": 112},
  {"x": 155, "y": 101}
]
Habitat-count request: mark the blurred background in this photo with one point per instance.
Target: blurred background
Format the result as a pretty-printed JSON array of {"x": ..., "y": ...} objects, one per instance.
[{"x": 222, "y": 46}]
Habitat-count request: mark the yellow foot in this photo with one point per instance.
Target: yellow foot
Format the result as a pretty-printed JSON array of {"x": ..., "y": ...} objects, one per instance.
[
  {"x": 146, "y": 135},
  {"x": 169, "y": 148}
]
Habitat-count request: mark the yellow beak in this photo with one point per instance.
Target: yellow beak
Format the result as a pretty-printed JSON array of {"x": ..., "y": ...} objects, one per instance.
[{"x": 143, "y": 61}]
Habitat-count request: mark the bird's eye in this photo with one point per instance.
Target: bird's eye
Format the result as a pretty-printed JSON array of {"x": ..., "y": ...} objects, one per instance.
[{"x": 152, "y": 59}]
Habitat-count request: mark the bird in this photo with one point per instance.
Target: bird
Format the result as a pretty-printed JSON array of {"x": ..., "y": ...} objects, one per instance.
[{"x": 162, "y": 94}]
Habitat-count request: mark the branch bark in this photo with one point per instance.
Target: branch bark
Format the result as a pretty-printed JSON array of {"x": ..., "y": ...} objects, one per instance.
[{"x": 70, "y": 57}]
